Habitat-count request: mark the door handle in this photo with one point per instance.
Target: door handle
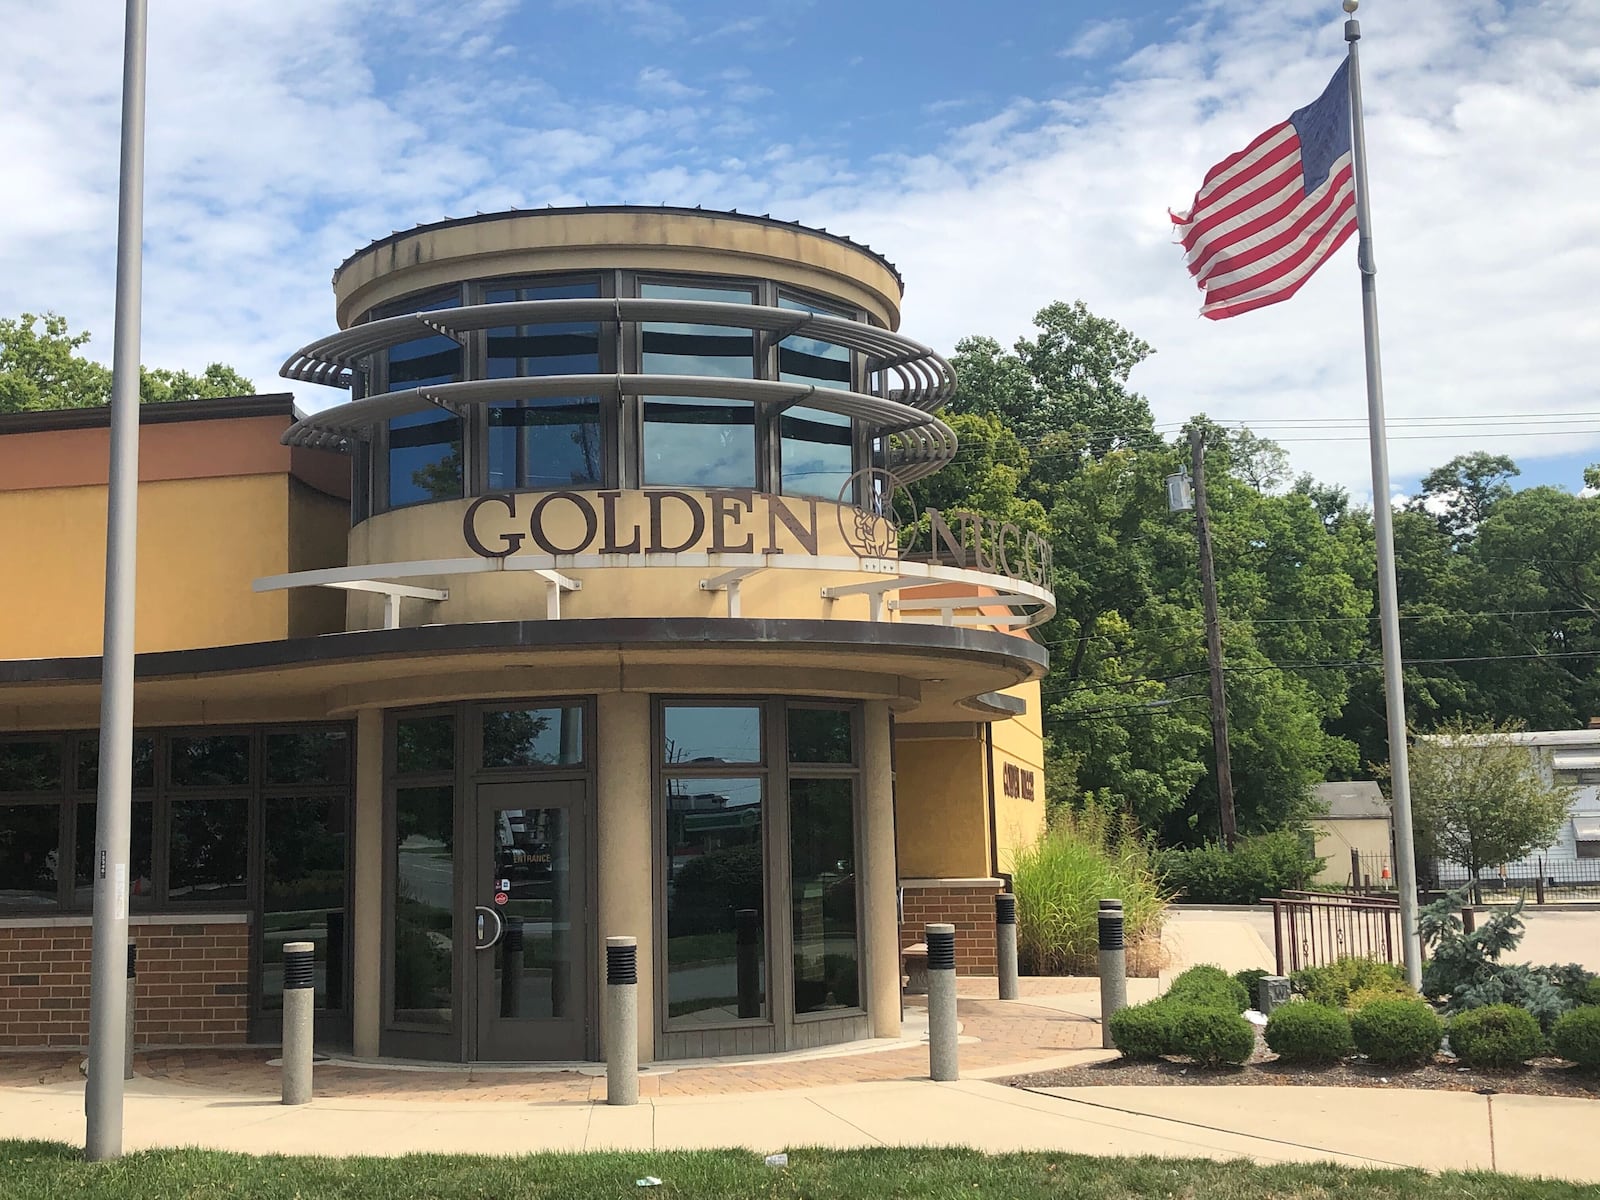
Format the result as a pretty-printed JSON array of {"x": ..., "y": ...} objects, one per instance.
[{"x": 499, "y": 926}]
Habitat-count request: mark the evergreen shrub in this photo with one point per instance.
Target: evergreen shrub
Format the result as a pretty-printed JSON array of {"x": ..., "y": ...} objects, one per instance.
[
  {"x": 1209, "y": 986},
  {"x": 1210, "y": 1036},
  {"x": 1250, "y": 980},
  {"x": 1335, "y": 983},
  {"x": 1267, "y": 864},
  {"x": 1576, "y": 1036},
  {"x": 1398, "y": 1032},
  {"x": 1499, "y": 1035},
  {"x": 1303, "y": 1032},
  {"x": 1142, "y": 1031}
]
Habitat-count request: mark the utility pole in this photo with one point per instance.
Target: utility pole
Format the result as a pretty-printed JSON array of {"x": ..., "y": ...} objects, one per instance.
[{"x": 1208, "y": 592}]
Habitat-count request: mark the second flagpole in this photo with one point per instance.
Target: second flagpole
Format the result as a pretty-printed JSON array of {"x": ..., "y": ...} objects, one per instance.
[{"x": 1405, "y": 865}]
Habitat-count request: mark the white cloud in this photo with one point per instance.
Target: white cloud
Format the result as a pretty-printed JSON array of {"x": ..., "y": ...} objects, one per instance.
[
  {"x": 1100, "y": 37},
  {"x": 272, "y": 156}
]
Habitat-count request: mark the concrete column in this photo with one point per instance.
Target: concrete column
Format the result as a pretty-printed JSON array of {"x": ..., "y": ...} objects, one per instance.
[
  {"x": 624, "y": 822},
  {"x": 366, "y": 923},
  {"x": 880, "y": 888}
]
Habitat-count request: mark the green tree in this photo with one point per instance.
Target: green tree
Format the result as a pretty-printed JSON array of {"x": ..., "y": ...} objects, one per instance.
[
  {"x": 1478, "y": 798},
  {"x": 1463, "y": 491},
  {"x": 41, "y": 369}
]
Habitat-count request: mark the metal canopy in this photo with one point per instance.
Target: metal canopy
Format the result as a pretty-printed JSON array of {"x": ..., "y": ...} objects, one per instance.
[{"x": 925, "y": 380}]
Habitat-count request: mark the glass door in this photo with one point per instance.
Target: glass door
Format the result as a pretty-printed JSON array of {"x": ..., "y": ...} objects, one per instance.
[{"x": 529, "y": 894}]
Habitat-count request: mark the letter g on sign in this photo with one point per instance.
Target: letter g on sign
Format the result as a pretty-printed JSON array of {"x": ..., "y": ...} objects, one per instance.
[{"x": 469, "y": 526}]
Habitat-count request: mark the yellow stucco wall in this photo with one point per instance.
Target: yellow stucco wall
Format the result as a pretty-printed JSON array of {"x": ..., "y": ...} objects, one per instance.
[
  {"x": 1335, "y": 840},
  {"x": 1019, "y": 743},
  {"x": 941, "y": 812},
  {"x": 584, "y": 241},
  {"x": 201, "y": 542}
]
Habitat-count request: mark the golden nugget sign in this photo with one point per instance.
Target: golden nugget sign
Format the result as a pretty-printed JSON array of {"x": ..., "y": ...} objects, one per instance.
[{"x": 743, "y": 521}]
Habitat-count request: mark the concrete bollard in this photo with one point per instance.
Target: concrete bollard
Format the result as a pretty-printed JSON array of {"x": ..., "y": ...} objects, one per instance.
[
  {"x": 1113, "y": 967},
  {"x": 747, "y": 961},
  {"x": 1005, "y": 941},
  {"x": 943, "y": 1064},
  {"x": 127, "y": 1041},
  {"x": 622, "y": 1020},
  {"x": 299, "y": 1019}
]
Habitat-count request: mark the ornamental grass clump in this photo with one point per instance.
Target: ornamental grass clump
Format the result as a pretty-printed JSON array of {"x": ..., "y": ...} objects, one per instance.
[
  {"x": 1209, "y": 987},
  {"x": 1085, "y": 856},
  {"x": 1303, "y": 1032},
  {"x": 1576, "y": 1036},
  {"x": 1397, "y": 1033},
  {"x": 1142, "y": 1031},
  {"x": 1498, "y": 1035}
]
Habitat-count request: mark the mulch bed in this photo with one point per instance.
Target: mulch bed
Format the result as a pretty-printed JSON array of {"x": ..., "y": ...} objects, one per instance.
[{"x": 1543, "y": 1077}]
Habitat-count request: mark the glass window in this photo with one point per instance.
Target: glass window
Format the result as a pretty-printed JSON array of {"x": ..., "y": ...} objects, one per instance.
[
  {"x": 425, "y": 744},
  {"x": 313, "y": 756},
  {"x": 424, "y": 458},
  {"x": 30, "y": 850},
  {"x": 555, "y": 348},
  {"x": 695, "y": 442},
  {"x": 545, "y": 443},
  {"x": 819, "y": 735},
  {"x": 803, "y": 359},
  {"x": 716, "y": 883},
  {"x": 534, "y": 961},
  {"x": 303, "y": 892},
  {"x": 533, "y": 737},
  {"x": 723, "y": 351},
  {"x": 426, "y": 360},
  {"x": 210, "y": 760},
  {"x": 209, "y": 850},
  {"x": 144, "y": 763},
  {"x": 141, "y": 855},
  {"x": 822, "y": 866},
  {"x": 424, "y": 905},
  {"x": 701, "y": 735},
  {"x": 816, "y": 453},
  {"x": 30, "y": 766}
]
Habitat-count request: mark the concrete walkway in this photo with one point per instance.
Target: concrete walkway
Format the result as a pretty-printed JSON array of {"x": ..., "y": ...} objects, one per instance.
[{"x": 1358, "y": 1127}]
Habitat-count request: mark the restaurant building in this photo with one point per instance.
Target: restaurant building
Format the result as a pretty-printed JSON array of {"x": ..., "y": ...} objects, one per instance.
[{"x": 597, "y": 606}]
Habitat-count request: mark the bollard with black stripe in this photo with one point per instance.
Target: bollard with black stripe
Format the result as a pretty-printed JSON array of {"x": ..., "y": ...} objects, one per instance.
[
  {"x": 1005, "y": 943},
  {"x": 299, "y": 1014},
  {"x": 942, "y": 1057},
  {"x": 1113, "y": 967},
  {"x": 622, "y": 1020}
]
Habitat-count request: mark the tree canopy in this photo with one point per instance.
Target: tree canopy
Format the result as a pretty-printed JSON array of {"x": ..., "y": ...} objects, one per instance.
[
  {"x": 1500, "y": 590},
  {"x": 41, "y": 369}
]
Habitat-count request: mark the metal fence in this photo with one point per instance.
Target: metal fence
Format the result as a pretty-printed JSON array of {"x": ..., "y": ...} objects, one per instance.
[
  {"x": 1542, "y": 881},
  {"x": 1312, "y": 929}
]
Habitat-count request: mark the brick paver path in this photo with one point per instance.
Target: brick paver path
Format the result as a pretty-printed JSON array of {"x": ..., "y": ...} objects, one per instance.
[{"x": 1007, "y": 1034}]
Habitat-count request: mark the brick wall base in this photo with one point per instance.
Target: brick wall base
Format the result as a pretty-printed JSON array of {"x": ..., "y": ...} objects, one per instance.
[
  {"x": 968, "y": 904},
  {"x": 192, "y": 988}
]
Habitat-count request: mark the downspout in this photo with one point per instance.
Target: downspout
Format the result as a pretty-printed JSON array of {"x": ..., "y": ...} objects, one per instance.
[{"x": 994, "y": 840}]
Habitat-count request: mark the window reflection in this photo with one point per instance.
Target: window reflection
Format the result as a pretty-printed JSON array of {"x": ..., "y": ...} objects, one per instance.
[
  {"x": 320, "y": 756},
  {"x": 209, "y": 849},
  {"x": 819, "y": 735},
  {"x": 533, "y": 966},
  {"x": 30, "y": 766},
  {"x": 424, "y": 907},
  {"x": 424, "y": 458},
  {"x": 426, "y": 360},
  {"x": 144, "y": 763},
  {"x": 30, "y": 851},
  {"x": 672, "y": 348},
  {"x": 553, "y": 348},
  {"x": 822, "y": 864},
  {"x": 699, "y": 442},
  {"x": 816, "y": 449},
  {"x": 537, "y": 737},
  {"x": 215, "y": 760},
  {"x": 716, "y": 881},
  {"x": 425, "y": 744},
  {"x": 699, "y": 734},
  {"x": 303, "y": 892},
  {"x": 141, "y": 854},
  {"x": 545, "y": 443}
]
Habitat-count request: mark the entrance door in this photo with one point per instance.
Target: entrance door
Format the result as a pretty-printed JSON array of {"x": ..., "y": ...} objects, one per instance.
[{"x": 529, "y": 894}]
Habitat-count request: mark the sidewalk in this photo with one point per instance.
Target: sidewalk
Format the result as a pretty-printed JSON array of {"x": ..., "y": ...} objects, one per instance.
[{"x": 1432, "y": 1130}]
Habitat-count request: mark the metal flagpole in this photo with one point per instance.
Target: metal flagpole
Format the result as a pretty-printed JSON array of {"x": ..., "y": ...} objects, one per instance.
[
  {"x": 108, "y": 973},
  {"x": 1405, "y": 867}
]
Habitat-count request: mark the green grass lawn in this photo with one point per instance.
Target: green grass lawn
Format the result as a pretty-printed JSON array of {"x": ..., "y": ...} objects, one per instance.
[{"x": 50, "y": 1171}]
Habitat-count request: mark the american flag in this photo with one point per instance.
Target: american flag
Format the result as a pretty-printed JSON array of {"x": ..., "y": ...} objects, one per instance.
[{"x": 1267, "y": 217}]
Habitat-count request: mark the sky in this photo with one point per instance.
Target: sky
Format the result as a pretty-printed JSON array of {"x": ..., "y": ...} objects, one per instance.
[{"x": 1002, "y": 156}]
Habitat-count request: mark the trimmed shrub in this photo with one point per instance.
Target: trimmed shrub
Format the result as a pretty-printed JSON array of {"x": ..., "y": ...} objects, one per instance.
[
  {"x": 1250, "y": 980},
  {"x": 1309, "y": 1033},
  {"x": 1500, "y": 1035},
  {"x": 1576, "y": 1036},
  {"x": 1591, "y": 993},
  {"x": 1210, "y": 987},
  {"x": 1142, "y": 1031},
  {"x": 1334, "y": 983},
  {"x": 1396, "y": 1033},
  {"x": 1210, "y": 1036},
  {"x": 1361, "y": 997},
  {"x": 1264, "y": 865},
  {"x": 1083, "y": 857}
]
